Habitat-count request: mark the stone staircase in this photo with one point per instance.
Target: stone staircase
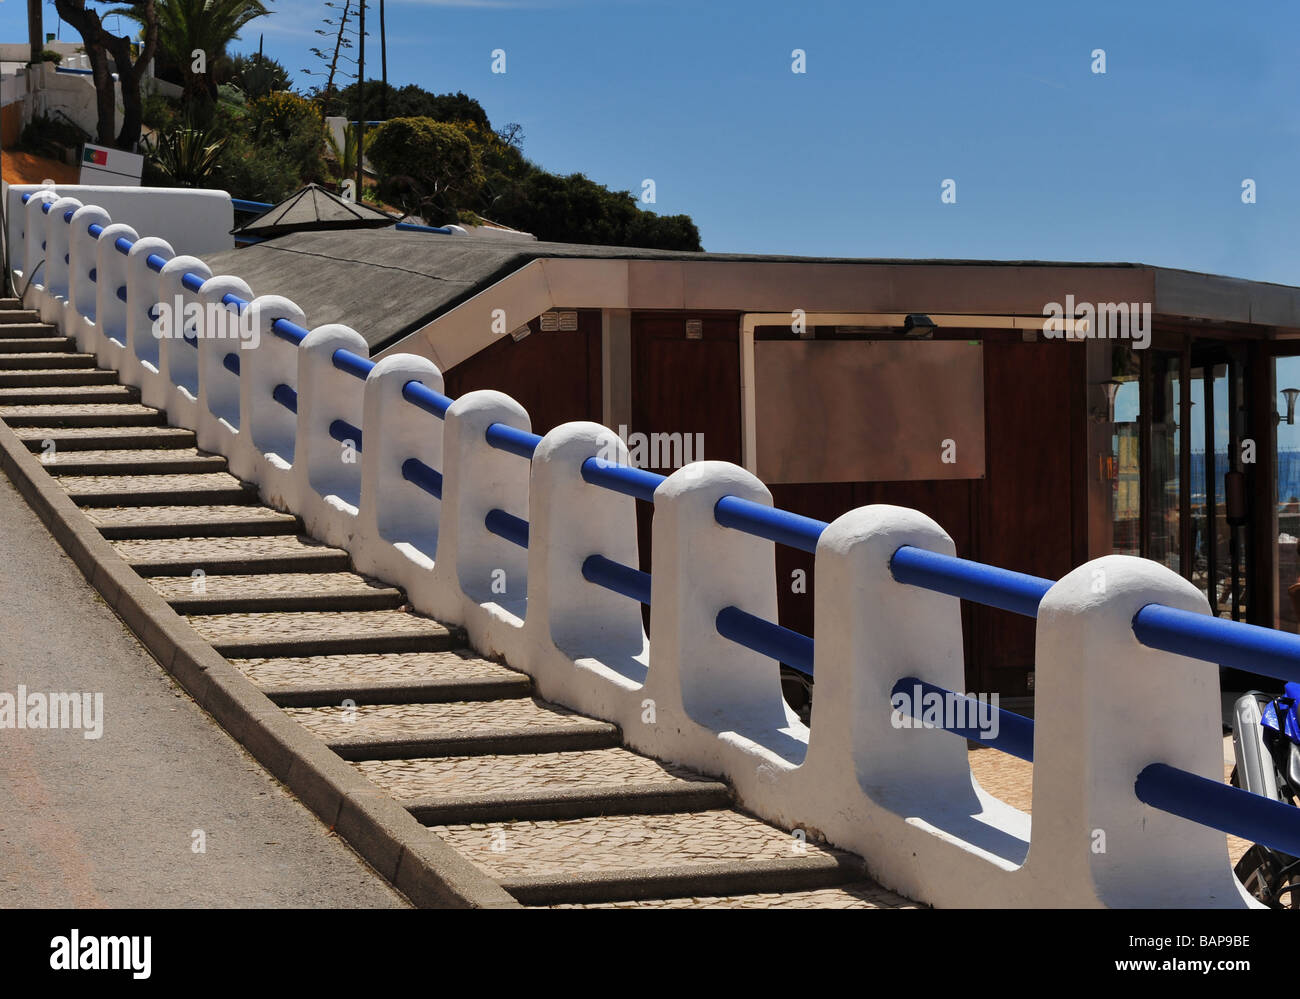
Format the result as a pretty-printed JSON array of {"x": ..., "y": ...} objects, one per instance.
[{"x": 545, "y": 801}]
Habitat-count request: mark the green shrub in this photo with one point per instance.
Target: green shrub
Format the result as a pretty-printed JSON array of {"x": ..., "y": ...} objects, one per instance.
[
  {"x": 51, "y": 137},
  {"x": 428, "y": 167},
  {"x": 186, "y": 155}
]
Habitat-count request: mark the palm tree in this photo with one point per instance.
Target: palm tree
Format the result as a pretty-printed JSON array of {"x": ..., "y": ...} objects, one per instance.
[
  {"x": 345, "y": 159},
  {"x": 186, "y": 27}
]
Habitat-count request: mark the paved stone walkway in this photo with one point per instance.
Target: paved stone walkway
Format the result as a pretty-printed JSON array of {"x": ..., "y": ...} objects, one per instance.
[{"x": 110, "y": 822}]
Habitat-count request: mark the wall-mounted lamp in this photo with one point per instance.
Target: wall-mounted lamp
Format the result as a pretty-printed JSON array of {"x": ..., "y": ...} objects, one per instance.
[{"x": 918, "y": 326}]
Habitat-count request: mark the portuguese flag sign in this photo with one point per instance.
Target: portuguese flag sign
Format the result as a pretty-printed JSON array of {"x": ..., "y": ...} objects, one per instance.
[{"x": 97, "y": 156}]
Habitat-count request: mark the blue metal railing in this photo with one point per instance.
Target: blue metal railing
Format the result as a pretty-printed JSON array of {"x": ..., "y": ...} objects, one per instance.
[
  {"x": 342, "y": 431},
  {"x": 422, "y": 397},
  {"x": 974, "y": 581},
  {"x": 230, "y": 362},
  {"x": 507, "y": 438},
  {"x": 625, "y": 479},
  {"x": 781, "y": 526},
  {"x": 286, "y": 397},
  {"x": 241, "y": 205},
  {"x": 428, "y": 479},
  {"x": 352, "y": 364},
  {"x": 412, "y": 227},
  {"x": 1212, "y": 803},
  {"x": 616, "y": 576},
  {"x": 1225, "y": 643},
  {"x": 1015, "y": 732},
  {"x": 766, "y": 638},
  {"x": 507, "y": 525}
]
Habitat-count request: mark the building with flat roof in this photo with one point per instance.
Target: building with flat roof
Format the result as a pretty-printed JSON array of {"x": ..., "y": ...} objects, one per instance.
[{"x": 1043, "y": 413}]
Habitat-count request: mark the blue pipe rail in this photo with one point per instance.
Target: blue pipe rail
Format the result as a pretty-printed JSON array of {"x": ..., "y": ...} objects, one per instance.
[
  {"x": 412, "y": 227},
  {"x": 958, "y": 577},
  {"x": 343, "y": 431},
  {"x": 507, "y": 438},
  {"x": 765, "y": 638},
  {"x": 95, "y": 229},
  {"x": 1229, "y": 809},
  {"x": 352, "y": 364},
  {"x": 422, "y": 397},
  {"x": 230, "y": 362},
  {"x": 781, "y": 526},
  {"x": 428, "y": 479},
  {"x": 1213, "y": 639},
  {"x": 192, "y": 282},
  {"x": 286, "y": 397},
  {"x": 1015, "y": 732},
  {"x": 93, "y": 275},
  {"x": 193, "y": 341},
  {"x": 121, "y": 293},
  {"x": 615, "y": 576},
  {"x": 289, "y": 332},
  {"x": 241, "y": 205},
  {"x": 625, "y": 479},
  {"x": 507, "y": 525}
]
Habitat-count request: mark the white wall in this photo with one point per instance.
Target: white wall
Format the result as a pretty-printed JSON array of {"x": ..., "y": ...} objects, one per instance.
[{"x": 192, "y": 221}]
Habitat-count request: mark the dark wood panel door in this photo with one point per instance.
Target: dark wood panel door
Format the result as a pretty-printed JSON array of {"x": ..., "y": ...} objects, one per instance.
[{"x": 685, "y": 386}]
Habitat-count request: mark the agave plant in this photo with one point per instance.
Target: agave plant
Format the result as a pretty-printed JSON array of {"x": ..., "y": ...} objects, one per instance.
[{"x": 186, "y": 154}]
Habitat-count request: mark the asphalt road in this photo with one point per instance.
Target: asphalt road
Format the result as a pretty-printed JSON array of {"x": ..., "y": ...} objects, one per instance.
[{"x": 114, "y": 821}]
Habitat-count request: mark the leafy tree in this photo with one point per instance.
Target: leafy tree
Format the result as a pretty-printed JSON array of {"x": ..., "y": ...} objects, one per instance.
[
  {"x": 189, "y": 26},
  {"x": 102, "y": 46},
  {"x": 428, "y": 167},
  {"x": 273, "y": 147},
  {"x": 409, "y": 102},
  {"x": 575, "y": 209}
]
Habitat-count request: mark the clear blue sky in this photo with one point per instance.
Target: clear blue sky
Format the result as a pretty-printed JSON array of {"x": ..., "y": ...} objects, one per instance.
[{"x": 1052, "y": 161}]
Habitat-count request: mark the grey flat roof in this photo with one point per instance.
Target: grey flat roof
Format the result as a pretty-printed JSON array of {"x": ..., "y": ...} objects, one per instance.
[{"x": 388, "y": 283}]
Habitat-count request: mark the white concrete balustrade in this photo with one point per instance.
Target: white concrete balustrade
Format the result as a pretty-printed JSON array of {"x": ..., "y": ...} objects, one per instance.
[{"x": 903, "y": 797}]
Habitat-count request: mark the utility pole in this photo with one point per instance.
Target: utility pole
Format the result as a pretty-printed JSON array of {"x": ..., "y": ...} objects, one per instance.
[
  {"x": 383, "y": 64},
  {"x": 361, "y": 103}
]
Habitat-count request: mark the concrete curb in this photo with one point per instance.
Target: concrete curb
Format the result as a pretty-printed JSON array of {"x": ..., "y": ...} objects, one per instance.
[{"x": 428, "y": 871}]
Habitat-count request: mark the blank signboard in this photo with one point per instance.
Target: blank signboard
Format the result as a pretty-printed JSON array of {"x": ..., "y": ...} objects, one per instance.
[{"x": 869, "y": 410}]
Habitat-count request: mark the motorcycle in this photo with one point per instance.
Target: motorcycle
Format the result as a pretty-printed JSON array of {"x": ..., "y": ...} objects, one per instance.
[{"x": 1266, "y": 743}]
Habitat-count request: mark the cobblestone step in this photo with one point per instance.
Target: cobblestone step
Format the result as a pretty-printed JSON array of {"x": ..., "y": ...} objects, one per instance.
[
  {"x": 38, "y": 345},
  {"x": 58, "y": 377},
  {"x": 24, "y": 330},
  {"x": 544, "y": 800},
  {"x": 104, "y": 438},
  {"x": 53, "y": 361},
  {"x": 68, "y": 394},
  {"x": 383, "y": 678},
  {"x": 464, "y": 789},
  {"x": 199, "y": 489},
  {"x": 10, "y": 314},
  {"x": 864, "y": 895},
  {"x": 230, "y": 556},
  {"x": 174, "y": 522},
  {"x": 308, "y": 633},
  {"x": 456, "y": 728},
  {"x": 97, "y": 415},
  {"x": 290, "y": 591},
  {"x": 152, "y": 461},
  {"x": 610, "y": 858}
]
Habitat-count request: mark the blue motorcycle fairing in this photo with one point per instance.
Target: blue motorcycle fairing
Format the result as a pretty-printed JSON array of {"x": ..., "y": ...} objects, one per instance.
[{"x": 1289, "y": 724}]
